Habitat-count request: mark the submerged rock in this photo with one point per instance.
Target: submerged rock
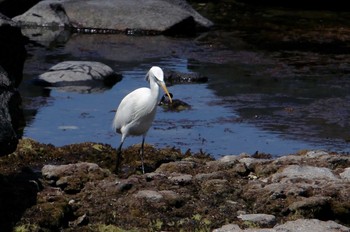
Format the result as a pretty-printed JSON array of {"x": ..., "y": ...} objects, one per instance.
[
  {"x": 173, "y": 77},
  {"x": 175, "y": 105}
]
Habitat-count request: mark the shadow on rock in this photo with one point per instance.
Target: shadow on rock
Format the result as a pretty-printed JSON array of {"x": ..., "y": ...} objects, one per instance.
[
  {"x": 18, "y": 192},
  {"x": 12, "y": 56}
]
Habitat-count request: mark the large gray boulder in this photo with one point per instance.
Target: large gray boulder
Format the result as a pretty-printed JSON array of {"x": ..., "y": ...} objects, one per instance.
[
  {"x": 159, "y": 16},
  {"x": 46, "y": 14}
]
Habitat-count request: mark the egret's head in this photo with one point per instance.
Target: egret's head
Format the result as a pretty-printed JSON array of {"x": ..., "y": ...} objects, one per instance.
[{"x": 157, "y": 74}]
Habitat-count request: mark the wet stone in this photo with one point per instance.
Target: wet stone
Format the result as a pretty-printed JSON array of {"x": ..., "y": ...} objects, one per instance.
[
  {"x": 311, "y": 207},
  {"x": 216, "y": 186},
  {"x": 173, "y": 77},
  {"x": 80, "y": 221},
  {"x": 315, "y": 154},
  {"x": 232, "y": 158},
  {"x": 124, "y": 185},
  {"x": 149, "y": 195},
  {"x": 262, "y": 220},
  {"x": 172, "y": 198},
  {"x": 78, "y": 73},
  {"x": 251, "y": 162},
  {"x": 346, "y": 174},
  {"x": 180, "y": 166},
  {"x": 181, "y": 179},
  {"x": 207, "y": 176},
  {"x": 155, "y": 176},
  {"x": 72, "y": 177},
  {"x": 228, "y": 228},
  {"x": 226, "y": 162},
  {"x": 307, "y": 225},
  {"x": 304, "y": 172}
]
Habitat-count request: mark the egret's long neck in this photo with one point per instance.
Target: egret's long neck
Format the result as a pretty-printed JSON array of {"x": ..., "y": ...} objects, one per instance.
[{"x": 154, "y": 90}]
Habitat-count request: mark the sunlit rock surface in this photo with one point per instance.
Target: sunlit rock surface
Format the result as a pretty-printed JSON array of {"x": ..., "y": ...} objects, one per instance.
[
  {"x": 118, "y": 15},
  {"x": 79, "y": 76}
]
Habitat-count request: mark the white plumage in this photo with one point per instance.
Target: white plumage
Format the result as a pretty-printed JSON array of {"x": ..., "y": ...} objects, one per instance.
[{"x": 137, "y": 110}]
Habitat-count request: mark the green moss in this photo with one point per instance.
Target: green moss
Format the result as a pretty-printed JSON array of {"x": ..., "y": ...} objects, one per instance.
[
  {"x": 197, "y": 217},
  {"x": 201, "y": 223},
  {"x": 53, "y": 216},
  {"x": 111, "y": 228},
  {"x": 249, "y": 224},
  {"x": 156, "y": 225},
  {"x": 27, "y": 228}
]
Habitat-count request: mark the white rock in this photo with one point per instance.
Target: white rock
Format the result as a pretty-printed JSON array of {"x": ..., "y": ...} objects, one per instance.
[
  {"x": 207, "y": 176},
  {"x": 249, "y": 162},
  {"x": 307, "y": 225},
  {"x": 181, "y": 178},
  {"x": 300, "y": 225},
  {"x": 304, "y": 172},
  {"x": 260, "y": 219},
  {"x": 346, "y": 174},
  {"x": 228, "y": 228},
  {"x": 233, "y": 158},
  {"x": 76, "y": 71},
  {"x": 45, "y": 13},
  {"x": 316, "y": 153},
  {"x": 157, "y": 15},
  {"x": 149, "y": 195},
  {"x": 56, "y": 171}
]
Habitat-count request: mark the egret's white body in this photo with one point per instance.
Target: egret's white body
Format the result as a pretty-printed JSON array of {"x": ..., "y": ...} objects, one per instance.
[{"x": 137, "y": 110}]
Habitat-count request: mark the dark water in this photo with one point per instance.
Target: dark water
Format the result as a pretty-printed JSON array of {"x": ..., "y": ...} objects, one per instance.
[{"x": 274, "y": 86}]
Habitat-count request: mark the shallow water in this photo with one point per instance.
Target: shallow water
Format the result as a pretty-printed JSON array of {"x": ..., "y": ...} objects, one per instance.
[{"x": 273, "y": 101}]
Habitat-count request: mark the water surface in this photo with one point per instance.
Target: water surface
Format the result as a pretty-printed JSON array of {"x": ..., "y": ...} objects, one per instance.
[{"x": 277, "y": 101}]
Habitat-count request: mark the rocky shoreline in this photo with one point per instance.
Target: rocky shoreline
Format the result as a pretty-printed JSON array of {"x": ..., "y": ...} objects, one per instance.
[{"x": 74, "y": 188}]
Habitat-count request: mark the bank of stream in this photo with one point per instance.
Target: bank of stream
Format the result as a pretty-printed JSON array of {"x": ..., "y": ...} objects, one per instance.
[{"x": 278, "y": 85}]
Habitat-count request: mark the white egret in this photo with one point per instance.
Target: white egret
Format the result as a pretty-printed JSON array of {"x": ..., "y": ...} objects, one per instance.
[{"x": 137, "y": 110}]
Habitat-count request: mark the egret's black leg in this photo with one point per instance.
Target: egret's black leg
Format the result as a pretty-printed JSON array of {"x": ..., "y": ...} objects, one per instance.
[
  {"x": 119, "y": 157},
  {"x": 142, "y": 155}
]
